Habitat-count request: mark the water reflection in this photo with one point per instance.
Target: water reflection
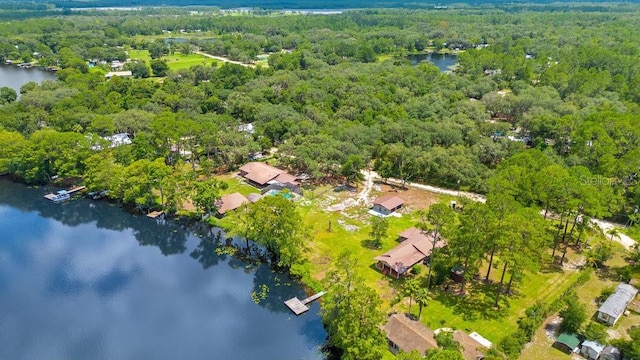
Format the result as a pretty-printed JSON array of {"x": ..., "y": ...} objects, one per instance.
[{"x": 75, "y": 283}]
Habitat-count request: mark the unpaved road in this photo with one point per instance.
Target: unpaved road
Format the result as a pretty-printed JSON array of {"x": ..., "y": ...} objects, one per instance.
[{"x": 605, "y": 226}]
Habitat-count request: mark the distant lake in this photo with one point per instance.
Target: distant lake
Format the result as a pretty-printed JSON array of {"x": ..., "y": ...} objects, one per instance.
[
  {"x": 442, "y": 61},
  {"x": 86, "y": 280},
  {"x": 14, "y": 77}
]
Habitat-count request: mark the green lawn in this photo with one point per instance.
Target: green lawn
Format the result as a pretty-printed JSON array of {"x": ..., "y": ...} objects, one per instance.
[
  {"x": 174, "y": 61},
  {"x": 141, "y": 55},
  {"x": 179, "y": 61}
]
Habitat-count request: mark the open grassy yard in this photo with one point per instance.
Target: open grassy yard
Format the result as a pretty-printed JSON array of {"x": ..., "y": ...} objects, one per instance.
[
  {"x": 140, "y": 55},
  {"x": 174, "y": 61},
  {"x": 179, "y": 61}
]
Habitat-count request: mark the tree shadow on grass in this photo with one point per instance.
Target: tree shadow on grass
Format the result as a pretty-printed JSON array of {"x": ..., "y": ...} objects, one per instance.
[
  {"x": 370, "y": 244},
  {"x": 477, "y": 304}
]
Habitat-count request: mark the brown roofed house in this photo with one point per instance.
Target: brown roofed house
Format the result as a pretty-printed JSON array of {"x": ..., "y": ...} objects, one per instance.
[
  {"x": 230, "y": 202},
  {"x": 264, "y": 176},
  {"x": 387, "y": 204},
  {"x": 411, "y": 251},
  {"x": 408, "y": 335},
  {"x": 471, "y": 349}
]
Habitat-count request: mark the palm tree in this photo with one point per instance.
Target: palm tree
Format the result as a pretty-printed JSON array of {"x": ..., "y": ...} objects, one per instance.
[
  {"x": 613, "y": 232},
  {"x": 410, "y": 289},
  {"x": 422, "y": 298}
]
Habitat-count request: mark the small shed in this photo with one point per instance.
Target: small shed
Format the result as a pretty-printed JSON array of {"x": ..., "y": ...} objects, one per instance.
[
  {"x": 613, "y": 308},
  {"x": 591, "y": 349},
  {"x": 388, "y": 204},
  {"x": 610, "y": 353},
  {"x": 566, "y": 343}
]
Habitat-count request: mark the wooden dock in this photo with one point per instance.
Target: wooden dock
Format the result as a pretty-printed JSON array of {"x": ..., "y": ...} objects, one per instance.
[
  {"x": 76, "y": 189},
  {"x": 300, "y": 306},
  {"x": 155, "y": 214}
]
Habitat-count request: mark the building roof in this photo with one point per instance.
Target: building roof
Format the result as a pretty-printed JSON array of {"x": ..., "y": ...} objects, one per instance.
[
  {"x": 230, "y": 202},
  {"x": 570, "y": 340},
  {"x": 617, "y": 302},
  {"x": 408, "y": 334},
  {"x": 389, "y": 201},
  {"x": 593, "y": 345},
  {"x": 253, "y": 197},
  {"x": 118, "y": 73},
  {"x": 611, "y": 352},
  {"x": 261, "y": 173},
  {"x": 409, "y": 252},
  {"x": 471, "y": 349}
]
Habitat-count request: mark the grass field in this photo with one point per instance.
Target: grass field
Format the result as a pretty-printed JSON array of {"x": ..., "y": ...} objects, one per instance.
[
  {"x": 179, "y": 61},
  {"x": 174, "y": 61}
]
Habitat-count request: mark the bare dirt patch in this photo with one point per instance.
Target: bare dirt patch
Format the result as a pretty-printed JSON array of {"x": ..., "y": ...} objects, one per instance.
[{"x": 414, "y": 198}]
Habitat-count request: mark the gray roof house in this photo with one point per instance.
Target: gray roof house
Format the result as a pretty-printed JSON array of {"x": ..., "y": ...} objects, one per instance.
[
  {"x": 591, "y": 349},
  {"x": 610, "y": 353},
  {"x": 615, "y": 305}
]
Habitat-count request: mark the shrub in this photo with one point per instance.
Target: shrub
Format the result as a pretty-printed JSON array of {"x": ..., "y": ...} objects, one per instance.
[
  {"x": 416, "y": 269},
  {"x": 596, "y": 332}
]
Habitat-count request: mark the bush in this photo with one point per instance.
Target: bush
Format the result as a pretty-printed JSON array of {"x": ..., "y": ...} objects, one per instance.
[
  {"x": 596, "y": 332},
  {"x": 416, "y": 269},
  {"x": 606, "y": 292},
  {"x": 512, "y": 345},
  {"x": 573, "y": 316}
]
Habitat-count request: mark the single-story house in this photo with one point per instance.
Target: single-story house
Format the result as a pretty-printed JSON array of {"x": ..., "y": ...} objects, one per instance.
[
  {"x": 615, "y": 305},
  {"x": 262, "y": 175},
  {"x": 230, "y": 202},
  {"x": 567, "y": 343},
  {"x": 114, "y": 140},
  {"x": 126, "y": 73},
  {"x": 470, "y": 347},
  {"x": 387, "y": 204},
  {"x": 591, "y": 349},
  {"x": 408, "y": 335},
  {"x": 610, "y": 353},
  {"x": 414, "y": 249}
]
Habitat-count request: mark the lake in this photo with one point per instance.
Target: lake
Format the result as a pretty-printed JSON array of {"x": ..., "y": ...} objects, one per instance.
[
  {"x": 86, "y": 280},
  {"x": 14, "y": 77},
  {"x": 442, "y": 61}
]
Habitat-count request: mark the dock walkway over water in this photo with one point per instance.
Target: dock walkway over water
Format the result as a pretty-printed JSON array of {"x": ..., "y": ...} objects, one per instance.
[
  {"x": 300, "y": 306},
  {"x": 72, "y": 191}
]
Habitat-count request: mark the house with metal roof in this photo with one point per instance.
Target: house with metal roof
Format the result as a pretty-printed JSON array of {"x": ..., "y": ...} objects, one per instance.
[
  {"x": 610, "y": 353},
  {"x": 591, "y": 349},
  {"x": 615, "y": 305},
  {"x": 567, "y": 343}
]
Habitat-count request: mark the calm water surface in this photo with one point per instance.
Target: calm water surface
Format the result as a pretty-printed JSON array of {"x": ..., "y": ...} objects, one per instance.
[
  {"x": 14, "y": 77},
  {"x": 86, "y": 280},
  {"x": 443, "y": 61}
]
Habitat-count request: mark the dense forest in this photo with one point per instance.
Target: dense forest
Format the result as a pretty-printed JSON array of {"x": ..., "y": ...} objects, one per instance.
[
  {"x": 540, "y": 113},
  {"x": 336, "y": 87}
]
